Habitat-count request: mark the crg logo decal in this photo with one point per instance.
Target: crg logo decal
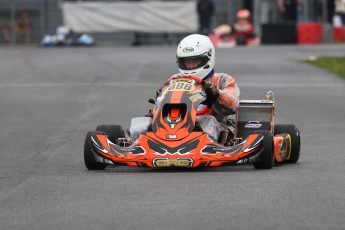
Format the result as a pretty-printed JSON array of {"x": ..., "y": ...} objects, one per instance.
[
  {"x": 166, "y": 162},
  {"x": 188, "y": 49}
]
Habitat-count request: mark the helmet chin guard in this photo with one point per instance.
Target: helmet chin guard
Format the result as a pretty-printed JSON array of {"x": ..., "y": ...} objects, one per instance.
[{"x": 196, "y": 46}]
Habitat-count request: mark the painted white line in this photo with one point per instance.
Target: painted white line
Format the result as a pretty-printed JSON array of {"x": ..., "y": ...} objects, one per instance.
[
  {"x": 291, "y": 85},
  {"x": 144, "y": 84}
]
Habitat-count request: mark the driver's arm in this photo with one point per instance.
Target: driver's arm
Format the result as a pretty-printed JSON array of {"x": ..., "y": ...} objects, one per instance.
[{"x": 229, "y": 94}]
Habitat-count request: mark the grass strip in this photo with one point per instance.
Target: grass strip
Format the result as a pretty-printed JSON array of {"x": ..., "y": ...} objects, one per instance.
[{"x": 333, "y": 64}]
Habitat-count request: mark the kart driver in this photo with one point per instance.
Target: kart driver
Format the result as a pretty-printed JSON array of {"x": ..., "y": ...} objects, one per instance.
[
  {"x": 243, "y": 28},
  {"x": 196, "y": 56}
]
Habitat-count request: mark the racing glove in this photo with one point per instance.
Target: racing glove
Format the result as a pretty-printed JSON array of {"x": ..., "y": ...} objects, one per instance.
[{"x": 212, "y": 94}]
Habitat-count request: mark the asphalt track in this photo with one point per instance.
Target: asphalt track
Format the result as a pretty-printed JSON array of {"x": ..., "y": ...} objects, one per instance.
[{"x": 50, "y": 98}]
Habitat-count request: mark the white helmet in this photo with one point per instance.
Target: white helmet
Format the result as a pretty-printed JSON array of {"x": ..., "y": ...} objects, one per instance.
[
  {"x": 63, "y": 30},
  {"x": 196, "y": 46}
]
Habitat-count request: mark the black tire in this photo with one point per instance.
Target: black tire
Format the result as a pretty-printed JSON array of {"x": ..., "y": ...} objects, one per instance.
[
  {"x": 113, "y": 132},
  {"x": 266, "y": 159},
  {"x": 89, "y": 157},
  {"x": 295, "y": 140}
]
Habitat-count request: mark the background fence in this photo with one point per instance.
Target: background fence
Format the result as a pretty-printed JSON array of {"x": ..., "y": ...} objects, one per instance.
[{"x": 26, "y": 22}]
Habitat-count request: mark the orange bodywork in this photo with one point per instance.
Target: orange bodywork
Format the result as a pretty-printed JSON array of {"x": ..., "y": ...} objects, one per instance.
[
  {"x": 173, "y": 141},
  {"x": 196, "y": 150},
  {"x": 174, "y": 114},
  {"x": 282, "y": 147}
]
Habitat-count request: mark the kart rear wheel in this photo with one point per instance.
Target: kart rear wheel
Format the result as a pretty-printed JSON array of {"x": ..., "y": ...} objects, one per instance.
[
  {"x": 295, "y": 140},
  {"x": 113, "y": 132},
  {"x": 89, "y": 157},
  {"x": 266, "y": 159}
]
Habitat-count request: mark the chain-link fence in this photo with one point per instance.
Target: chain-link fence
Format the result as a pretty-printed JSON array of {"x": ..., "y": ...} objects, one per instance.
[{"x": 26, "y": 22}]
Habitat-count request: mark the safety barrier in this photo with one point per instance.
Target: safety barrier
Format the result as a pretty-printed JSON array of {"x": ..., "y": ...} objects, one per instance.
[
  {"x": 339, "y": 34},
  {"x": 309, "y": 33}
]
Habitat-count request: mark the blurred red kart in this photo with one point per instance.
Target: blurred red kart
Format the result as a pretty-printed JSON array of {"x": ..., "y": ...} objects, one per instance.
[
  {"x": 241, "y": 33},
  {"x": 223, "y": 36}
]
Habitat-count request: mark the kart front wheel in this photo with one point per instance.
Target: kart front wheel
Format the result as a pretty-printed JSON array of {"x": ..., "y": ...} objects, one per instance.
[
  {"x": 295, "y": 140},
  {"x": 113, "y": 132},
  {"x": 266, "y": 157},
  {"x": 89, "y": 156}
]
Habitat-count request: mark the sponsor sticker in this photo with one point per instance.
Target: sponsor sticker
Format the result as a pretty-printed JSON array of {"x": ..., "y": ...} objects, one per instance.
[
  {"x": 188, "y": 49},
  {"x": 253, "y": 126},
  {"x": 171, "y": 136},
  {"x": 196, "y": 97}
]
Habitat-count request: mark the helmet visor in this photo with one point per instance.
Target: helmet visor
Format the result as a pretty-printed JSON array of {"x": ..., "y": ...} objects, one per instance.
[{"x": 189, "y": 63}]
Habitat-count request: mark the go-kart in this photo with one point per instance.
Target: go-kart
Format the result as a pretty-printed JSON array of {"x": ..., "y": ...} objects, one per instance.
[
  {"x": 172, "y": 137},
  {"x": 229, "y": 41},
  {"x": 225, "y": 36},
  {"x": 66, "y": 37},
  {"x": 55, "y": 40}
]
